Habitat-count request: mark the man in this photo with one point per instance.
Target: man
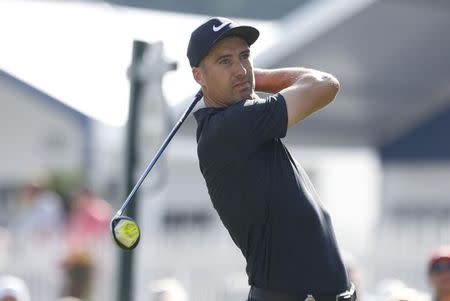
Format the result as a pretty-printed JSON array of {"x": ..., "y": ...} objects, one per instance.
[
  {"x": 262, "y": 196},
  {"x": 41, "y": 217},
  {"x": 86, "y": 227},
  {"x": 439, "y": 273}
]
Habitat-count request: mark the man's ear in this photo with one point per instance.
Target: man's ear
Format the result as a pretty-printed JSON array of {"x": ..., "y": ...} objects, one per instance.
[{"x": 198, "y": 75}]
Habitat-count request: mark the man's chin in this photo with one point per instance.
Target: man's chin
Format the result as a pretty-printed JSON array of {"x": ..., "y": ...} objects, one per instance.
[{"x": 246, "y": 95}]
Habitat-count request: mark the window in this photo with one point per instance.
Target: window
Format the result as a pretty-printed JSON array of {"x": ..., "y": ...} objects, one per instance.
[{"x": 175, "y": 220}]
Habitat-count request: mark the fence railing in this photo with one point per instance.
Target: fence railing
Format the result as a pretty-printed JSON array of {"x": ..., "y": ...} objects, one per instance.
[{"x": 207, "y": 267}]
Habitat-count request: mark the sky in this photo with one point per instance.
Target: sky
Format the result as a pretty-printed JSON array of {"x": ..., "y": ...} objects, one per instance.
[{"x": 79, "y": 52}]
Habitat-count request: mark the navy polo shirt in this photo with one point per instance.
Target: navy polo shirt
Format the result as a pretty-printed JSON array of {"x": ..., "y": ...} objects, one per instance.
[{"x": 266, "y": 201}]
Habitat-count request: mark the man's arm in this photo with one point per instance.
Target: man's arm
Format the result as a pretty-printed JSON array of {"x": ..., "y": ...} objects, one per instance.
[{"x": 304, "y": 90}]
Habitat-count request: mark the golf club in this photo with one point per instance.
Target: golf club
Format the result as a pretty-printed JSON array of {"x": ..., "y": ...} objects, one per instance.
[{"x": 124, "y": 229}]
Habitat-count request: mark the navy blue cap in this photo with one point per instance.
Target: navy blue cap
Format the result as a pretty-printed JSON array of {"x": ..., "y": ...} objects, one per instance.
[{"x": 212, "y": 31}]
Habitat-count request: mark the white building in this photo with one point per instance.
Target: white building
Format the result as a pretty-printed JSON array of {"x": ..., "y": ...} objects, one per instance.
[{"x": 40, "y": 136}]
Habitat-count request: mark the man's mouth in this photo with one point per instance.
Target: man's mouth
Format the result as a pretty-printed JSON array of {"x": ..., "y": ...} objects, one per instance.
[{"x": 241, "y": 84}]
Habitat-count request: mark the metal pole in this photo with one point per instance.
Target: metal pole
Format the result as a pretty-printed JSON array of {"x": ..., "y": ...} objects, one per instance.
[{"x": 125, "y": 288}]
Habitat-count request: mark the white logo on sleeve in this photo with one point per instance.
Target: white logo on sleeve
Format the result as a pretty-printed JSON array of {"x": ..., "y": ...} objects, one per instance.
[{"x": 220, "y": 27}]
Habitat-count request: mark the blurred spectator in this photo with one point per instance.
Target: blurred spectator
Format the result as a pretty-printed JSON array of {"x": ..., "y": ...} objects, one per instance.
[
  {"x": 396, "y": 290},
  {"x": 88, "y": 220},
  {"x": 167, "y": 290},
  {"x": 407, "y": 294},
  {"x": 88, "y": 223},
  {"x": 13, "y": 289},
  {"x": 439, "y": 273},
  {"x": 387, "y": 287},
  {"x": 68, "y": 299},
  {"x": 41, "y": 216}
]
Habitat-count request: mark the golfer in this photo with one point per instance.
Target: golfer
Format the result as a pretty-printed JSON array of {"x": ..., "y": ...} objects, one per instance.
[{"x": 262, "y": 195}]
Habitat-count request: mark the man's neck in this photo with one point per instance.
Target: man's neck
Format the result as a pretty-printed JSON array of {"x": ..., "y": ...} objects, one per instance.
[
  {"x": 217, "y": 104},
  {"x": 212, "y": 104}
]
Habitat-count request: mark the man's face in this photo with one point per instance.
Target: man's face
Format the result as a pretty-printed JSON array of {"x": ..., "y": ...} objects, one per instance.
[
  {"x": 440, "y": 277},
  {"x": 226, "y": 73}
]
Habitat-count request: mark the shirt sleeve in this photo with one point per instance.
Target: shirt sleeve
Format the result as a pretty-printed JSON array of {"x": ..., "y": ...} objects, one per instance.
[{"x": 248, "y": 124}]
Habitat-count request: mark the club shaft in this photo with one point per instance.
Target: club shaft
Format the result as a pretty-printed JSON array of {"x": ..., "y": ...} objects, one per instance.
[{"x": 172, "y": 133}]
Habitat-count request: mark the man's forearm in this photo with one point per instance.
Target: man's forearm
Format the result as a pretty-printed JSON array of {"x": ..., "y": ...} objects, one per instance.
[
  {"x": 304, "y": 90},
  {"x": 275, "y": 80}
]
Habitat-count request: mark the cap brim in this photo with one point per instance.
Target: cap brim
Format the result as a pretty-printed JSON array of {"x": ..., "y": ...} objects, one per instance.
[{"x": 248, "y": 33}]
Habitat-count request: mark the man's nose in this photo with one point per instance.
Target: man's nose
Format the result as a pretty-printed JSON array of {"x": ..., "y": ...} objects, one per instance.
[{"x": 240, "y": 69}]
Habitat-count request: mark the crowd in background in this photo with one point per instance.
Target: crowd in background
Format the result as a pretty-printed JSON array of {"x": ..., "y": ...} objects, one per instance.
[
  {"x": 44, "y": 218},
  {"x": 438, "y": 276}
]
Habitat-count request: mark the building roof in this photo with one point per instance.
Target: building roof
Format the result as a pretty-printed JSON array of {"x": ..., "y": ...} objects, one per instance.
[
  {"x": 254, "y": 9},
  {"x": 391, "y": 58},
  {"x": 44, "y": 98}
]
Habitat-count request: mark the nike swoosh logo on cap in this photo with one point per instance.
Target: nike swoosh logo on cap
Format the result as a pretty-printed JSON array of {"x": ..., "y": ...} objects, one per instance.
[{"x": 220, "y": 27}]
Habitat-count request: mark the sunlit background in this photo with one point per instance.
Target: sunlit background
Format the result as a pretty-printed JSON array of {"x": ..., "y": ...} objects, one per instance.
[{"x": 379, "y": 155}]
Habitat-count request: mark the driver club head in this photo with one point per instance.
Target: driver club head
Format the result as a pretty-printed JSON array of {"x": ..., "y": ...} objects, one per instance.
[{"x": 125, "y": 231}]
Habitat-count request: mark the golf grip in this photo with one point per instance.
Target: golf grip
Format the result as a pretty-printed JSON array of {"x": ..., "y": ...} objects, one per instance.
[{"x": 172, "y": 133}]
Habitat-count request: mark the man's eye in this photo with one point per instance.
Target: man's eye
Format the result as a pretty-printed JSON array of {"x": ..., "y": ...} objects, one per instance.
[
  {"x": 245, "y": 56},
  {"x": 224, "y": 61}
]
